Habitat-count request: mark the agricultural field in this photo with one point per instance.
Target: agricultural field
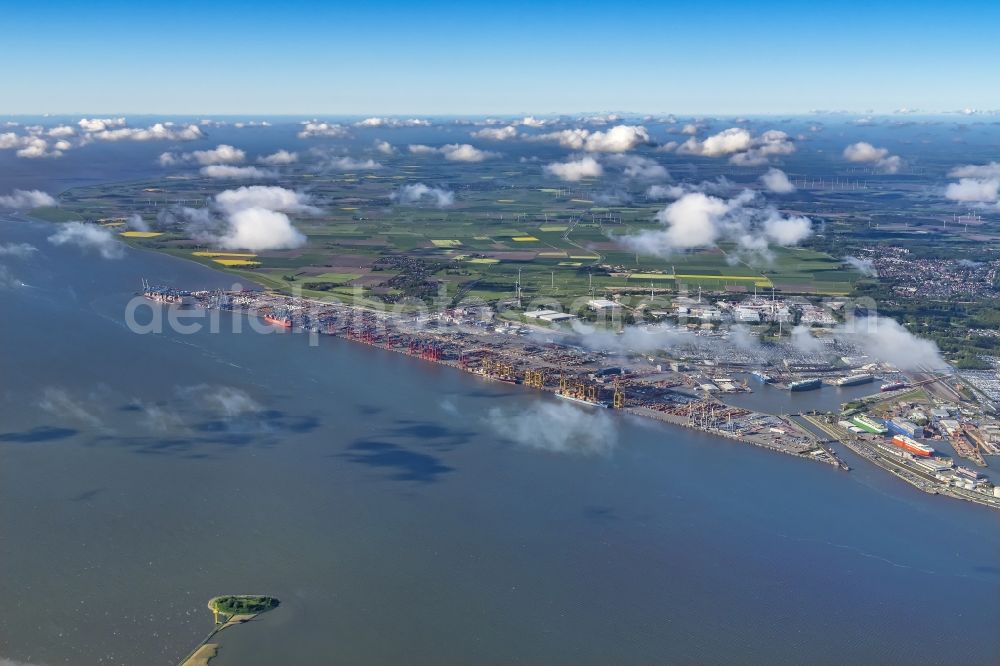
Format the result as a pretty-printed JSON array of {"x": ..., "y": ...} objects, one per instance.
[{"x": 364, "y": 246}]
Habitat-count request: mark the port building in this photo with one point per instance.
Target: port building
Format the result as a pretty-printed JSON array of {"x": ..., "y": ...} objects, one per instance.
[{"x": 900, "y": 426}]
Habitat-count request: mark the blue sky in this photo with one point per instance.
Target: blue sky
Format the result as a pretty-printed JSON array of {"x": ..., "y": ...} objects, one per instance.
[{"x": 479, "y": 58}]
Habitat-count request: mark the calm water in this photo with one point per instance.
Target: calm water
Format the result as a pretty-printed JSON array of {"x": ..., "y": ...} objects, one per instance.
[{"x": 375, "y": 496}]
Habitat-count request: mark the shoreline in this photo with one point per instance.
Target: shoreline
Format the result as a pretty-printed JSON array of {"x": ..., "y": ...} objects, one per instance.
[
  {"x": 913, "y": 477},
  {"x": 481, "y": 358}
]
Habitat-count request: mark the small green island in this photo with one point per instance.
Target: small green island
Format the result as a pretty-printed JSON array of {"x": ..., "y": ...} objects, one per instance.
[
  {"x": 242, "y": 604},
  {"x": 228, "y": 610}
]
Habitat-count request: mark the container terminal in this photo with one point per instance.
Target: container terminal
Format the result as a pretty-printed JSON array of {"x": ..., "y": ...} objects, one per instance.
[
  {"x": 546, "y": 360},
  {"x": 572, "y": 373}
]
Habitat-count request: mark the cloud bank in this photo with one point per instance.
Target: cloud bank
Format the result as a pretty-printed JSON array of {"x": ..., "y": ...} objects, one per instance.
[
  {"x": 574, "y": 170},
  {"x": 89, "y": 237},
  {"x": 279, "y": 158},
  {"x": 775, "y": 180},
  {"x": 421, "y": 193},
  {"x": 698, "y": 220},
  {"x": 863, "y": 152},
  {"x": 315, "y": 129},
  {"x": 235, "y": 172},
  {"x": 618, "y": 139},
  {"x": 742, "y": 147},
  {"x": 24, "y": 199},
  {"x": 889, "y": 341},
  {"x": 248, "y": 218},
  {"x": 557, "y": 428}
]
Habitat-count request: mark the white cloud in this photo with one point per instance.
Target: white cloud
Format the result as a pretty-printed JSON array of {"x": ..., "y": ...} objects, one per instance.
[
  {"x": 775, "y": 180},
  {"x": 61, "y": 131},
  {"x": 657, "y": 192},
  {"x": 22, "y": 199},
  {"x": 465, "y": 153},
  {"x": 17, "y": 250},
  {"x": 618, "y": 139},
  {"x": 864, "y": 266},
  {"x": 62, "y": 405},
  {"x": 384, "y": 147},
  {"x": 278, "y": 158},
  {"x": 100, "y": 124},
  {"x": 601, "y": 119},
  {"x": 640, "y": 168},
  {"x": 726, "y": 142},
  {"x": 351, "y": 164},
  {"x": 697, "y": 220},
  {"x": 8, "y": 281},
  {"x": 531, "y": 121},
  {"x": 418, "y": 192},
  {"x": 315, "y": 128},
  {"x": 136, "y": 223},
  {"x": 9, "y": 140},
  {"x": 973, "y": 189},
  {"x": 631, "y": 339},
  {"x": 260, "y": 229},
  {"x": 786, "y": 231},
  {"x": 865, "y": 153},
  {"x": 251, "y": 217},
  {"x": 887, "y": 340},
  {"x": 768, "y": 144},
  {"x": 156, "y": 132},
  {"x": 392, "y": 122},
  {"x": 574, "y": 170},
  {"x": 496, "y": 133},
  {"x": 89, "y": 237},
  {"x": 802, "y": 339},
  {"x": 557, "y": 428},
  {"x": 456, "y": 152},
  {"x": 977, "y": 183},
  {"x": 741, "y": 145},
  {"x": 991, "y": 170},
  {"x": 691, "y": 221},
  {"x": 221, "y": 154},
  {"x": 34, "y": 148},
  {"x": 265, "y": 196},
  {"x": 230, "y": 171}
]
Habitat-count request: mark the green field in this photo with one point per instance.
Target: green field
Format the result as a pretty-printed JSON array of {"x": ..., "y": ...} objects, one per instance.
[{"x": 365, "y": 249}]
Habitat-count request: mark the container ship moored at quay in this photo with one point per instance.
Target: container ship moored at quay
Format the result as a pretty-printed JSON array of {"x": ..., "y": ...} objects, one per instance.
[
  {"x": 805, "y": 385},
  {"x": 854, "y": 380},
  {"x": 911, "y": 445}
]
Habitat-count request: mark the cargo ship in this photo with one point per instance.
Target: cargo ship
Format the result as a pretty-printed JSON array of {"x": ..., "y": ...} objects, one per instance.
[
  {"x": 912, "y": 446},
  {"x": 893, "y": 386},
  {"x": 762, "y": 376},
  {"x": 166, "y": 295},
  {"x": 854, "y": 380},
  {"x": 498, "y": 378},
  {"x": 283, "y": 321},
  {"x": 573, "y": 398},
  {"x": 805, "y": 385},
  {"x": 869, "y": 424}
]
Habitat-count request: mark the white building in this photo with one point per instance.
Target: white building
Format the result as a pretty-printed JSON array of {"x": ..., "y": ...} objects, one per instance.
[
  {"x": 600, "y": 304},
  {"x": 557, "y": 316}
]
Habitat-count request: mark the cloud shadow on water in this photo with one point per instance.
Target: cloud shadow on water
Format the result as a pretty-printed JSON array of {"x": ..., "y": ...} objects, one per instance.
[
  {"x": 407, "y": 465},
  {"x": 433, "y": 435},
  {"x": 38, "y": 434}
]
